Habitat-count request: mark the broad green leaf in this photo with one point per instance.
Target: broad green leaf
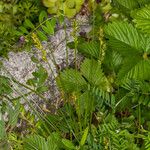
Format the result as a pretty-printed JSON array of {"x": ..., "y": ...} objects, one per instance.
[
  {"x": 90, "y": 49},
  {"x": 41, "y": 35},
  {"x": 125, "y": 38},
  {"x": 134, "y": 47},
  {"x": 84, "y": 137},
  {"x": 142, "y": 19},
  {"x": 53, "y": 142},
  {"x": 143, "y": 2},
  {"x": 42, "y": 16},
  {"x": 28, "y": 24},
  {"x": 135, "y": 67},
  {"x": 93, "y": 73},
  {"x": 35, "y": 142},
  {"x": 71, "y": 80},
  {"x": 68, "y": 144},
  {"x": 129, "y": 4}
]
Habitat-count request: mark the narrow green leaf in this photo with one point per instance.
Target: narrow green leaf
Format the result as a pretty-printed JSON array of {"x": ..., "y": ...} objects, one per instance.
[
  {"x": 23, "y": 29},
  {"x": 41, "y": 35},
  {"x": 45, "y": 29},
  {"x": 42, "y": 89},
  {"x": 13, "y": 115},
  {"x": 28, "y": 24},
  {"x": 2, "y": 130},
  {"x": 68, "y": 144},
  {"x": 42, "y": 16},
  {"x": 50, "y": 27},
  {"x": 53, "y": 22},
  {"x": 18, "y": 33},
  {"x": 4, "y": 85},
  {"x": 84, "y": 137},
  {"x": 31, "y": 82},
  {"x": 34, "y": 59}
]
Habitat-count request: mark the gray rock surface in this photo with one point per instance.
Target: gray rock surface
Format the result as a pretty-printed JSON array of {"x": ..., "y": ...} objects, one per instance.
[{"x": 20, "y": 66}]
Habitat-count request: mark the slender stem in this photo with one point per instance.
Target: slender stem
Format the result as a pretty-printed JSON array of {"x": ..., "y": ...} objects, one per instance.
[
  {"x": 67, "y": 53},
  {"x": 41, "y": 116},
  {"x": 93, "y": 23},
  {"x": 139, "y": 116},
  {"x": 27, "y": 87},
  {"x": 75, "y": 28},
  {"x": 14, "y": 98}
]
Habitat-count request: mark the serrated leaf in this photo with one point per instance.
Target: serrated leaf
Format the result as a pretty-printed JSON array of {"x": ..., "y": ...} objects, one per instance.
[
  {"x": 71, "y": 80},
  {"x": 52, "y": 142},
  {"x": 90, "y": 49},
  {"x": 42, "y": 16},
  {"x": 124, "y": 36},
  {"x": 142, "y": 19},
  {"x": 93, "y": 73},
  {"x": 143, "y": 2},
  {"x": 35, "y": 142},
  {"x": 134, "y": 46},
  {"x": 41, "y": 35},
  {"x": 129, "y": 4}
]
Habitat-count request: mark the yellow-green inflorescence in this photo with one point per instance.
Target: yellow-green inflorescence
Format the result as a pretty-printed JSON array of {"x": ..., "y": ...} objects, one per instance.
[
  {"x": 67, "y": 7},
  {"x": 39, "y": 46}
]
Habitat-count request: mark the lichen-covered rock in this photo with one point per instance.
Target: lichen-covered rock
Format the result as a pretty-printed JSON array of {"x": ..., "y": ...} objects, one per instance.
[{"x": 21, "y": 67}]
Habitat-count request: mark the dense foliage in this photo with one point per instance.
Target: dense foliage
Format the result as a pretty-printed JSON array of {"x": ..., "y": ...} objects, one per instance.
[{"x": 104, "y": 100}]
